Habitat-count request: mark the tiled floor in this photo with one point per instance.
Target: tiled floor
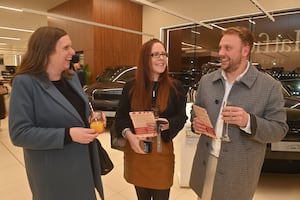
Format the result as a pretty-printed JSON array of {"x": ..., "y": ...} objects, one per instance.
[{"x": 13, "y": 182}]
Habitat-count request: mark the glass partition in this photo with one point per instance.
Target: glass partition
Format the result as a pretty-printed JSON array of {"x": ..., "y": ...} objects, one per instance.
[{"x": 277, "y": 46}]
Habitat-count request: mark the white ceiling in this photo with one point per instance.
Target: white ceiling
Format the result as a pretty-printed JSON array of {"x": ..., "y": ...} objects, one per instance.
[
  {"x": 23, "y": 21},
  {"x": 196, "y": 9}
]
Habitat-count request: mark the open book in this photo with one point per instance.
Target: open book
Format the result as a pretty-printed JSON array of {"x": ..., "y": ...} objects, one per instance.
[
  {"x": 201, "y": 113},
  {"x": 144, "y": 123}
]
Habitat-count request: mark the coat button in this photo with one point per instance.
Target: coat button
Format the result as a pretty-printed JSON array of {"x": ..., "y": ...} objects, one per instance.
[{"x": 221, "y": 172}]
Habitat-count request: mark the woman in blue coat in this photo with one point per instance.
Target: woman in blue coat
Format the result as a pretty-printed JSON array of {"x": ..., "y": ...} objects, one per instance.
[{"x": 48, "y": 117}]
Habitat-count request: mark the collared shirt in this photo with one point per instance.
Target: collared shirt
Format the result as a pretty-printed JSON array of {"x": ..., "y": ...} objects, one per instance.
[{"x": 216, "y": 144}]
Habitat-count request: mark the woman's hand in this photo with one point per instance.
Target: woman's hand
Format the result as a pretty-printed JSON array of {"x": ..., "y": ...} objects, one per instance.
[
  {"x": 83, "y": 135},
  {"x": 134, "y": 142},
  {"x": 163, "y": 124}
]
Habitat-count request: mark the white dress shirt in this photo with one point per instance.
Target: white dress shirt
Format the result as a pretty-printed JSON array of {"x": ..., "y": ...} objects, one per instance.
[{"x": 216, "y": 143}]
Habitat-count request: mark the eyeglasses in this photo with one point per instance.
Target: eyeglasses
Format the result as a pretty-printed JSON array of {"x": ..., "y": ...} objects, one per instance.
[{"x": 158, "y": 55}]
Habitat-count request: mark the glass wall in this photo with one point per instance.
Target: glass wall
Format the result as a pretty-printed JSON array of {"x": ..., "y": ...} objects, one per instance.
[{"x": 277, "y": 44}]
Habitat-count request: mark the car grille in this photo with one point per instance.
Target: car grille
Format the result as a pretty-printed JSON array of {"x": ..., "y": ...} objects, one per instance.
[
  {"x": 294, "y": 131},
  {"x": 106, "y": 94}
]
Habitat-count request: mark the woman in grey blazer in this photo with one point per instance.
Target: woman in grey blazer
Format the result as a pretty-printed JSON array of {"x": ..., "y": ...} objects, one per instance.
[{"x": 48, "y": 117}]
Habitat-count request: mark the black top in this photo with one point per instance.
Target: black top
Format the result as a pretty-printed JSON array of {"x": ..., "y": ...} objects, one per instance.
[
  {"x": 75, "y": 100},
  {"x": 175, "y": 112}
]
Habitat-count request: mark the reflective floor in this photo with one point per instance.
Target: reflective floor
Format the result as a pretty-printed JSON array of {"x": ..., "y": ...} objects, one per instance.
[{"x": 14, "y": 186}]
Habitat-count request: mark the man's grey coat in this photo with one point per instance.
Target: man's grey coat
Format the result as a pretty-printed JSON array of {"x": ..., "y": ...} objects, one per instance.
[{"x": 240, "y": 161}]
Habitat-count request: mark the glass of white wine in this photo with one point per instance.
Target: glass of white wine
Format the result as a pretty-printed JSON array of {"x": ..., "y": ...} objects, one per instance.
[{"x": 225, "y": 136}]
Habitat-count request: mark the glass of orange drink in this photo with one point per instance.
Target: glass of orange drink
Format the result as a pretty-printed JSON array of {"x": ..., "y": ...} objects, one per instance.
[{"x": 96, "y": 122}]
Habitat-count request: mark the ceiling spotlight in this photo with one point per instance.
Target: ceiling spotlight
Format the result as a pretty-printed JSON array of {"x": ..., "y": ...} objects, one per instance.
[
  {"x": 171, "y": 12},
  {"x": 196, "y": 32},
  {"x": 279, "y": 36},
  {"x": 13, "y": 9},
  {"x": 251, "y": 21},
  {"x": 257, "y": 5},
  {"x": 9, "y": 38},
  {"x": 16, "y": 29},
  {"x": 191, "y": 45},
  {"x": 219, "y": 27}
]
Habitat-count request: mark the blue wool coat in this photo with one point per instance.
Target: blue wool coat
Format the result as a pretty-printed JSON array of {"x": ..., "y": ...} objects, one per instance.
[
  {"x": 240, "y": 161},
  {"x": 38, "y": 116}
]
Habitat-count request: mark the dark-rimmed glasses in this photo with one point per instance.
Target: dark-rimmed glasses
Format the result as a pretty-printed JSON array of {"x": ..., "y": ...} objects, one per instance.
[{"x": 158, "y": 55}]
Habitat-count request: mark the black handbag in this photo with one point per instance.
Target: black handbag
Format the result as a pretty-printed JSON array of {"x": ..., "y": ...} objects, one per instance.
[
  {"x": 105, "y": 162},
  {"x": 115, "y": 142}
]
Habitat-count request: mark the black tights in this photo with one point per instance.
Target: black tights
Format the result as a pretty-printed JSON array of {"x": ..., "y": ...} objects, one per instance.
[{"x": 152, "y": 194}]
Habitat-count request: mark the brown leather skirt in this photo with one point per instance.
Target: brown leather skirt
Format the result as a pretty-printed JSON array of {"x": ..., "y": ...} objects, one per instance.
[{"x": 153, "y": 170}]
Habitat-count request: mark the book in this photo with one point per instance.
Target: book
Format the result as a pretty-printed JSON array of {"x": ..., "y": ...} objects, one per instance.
[
  {"x": 144, "y": 123},
  {"x": 202, "y": 114}
]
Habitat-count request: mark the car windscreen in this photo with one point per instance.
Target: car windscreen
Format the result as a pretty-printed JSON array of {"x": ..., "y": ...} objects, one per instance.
[
  {"x": 117, "y": 74},
  {"x": 107, "y": 75},
  {"x": 292, "y": 86}
]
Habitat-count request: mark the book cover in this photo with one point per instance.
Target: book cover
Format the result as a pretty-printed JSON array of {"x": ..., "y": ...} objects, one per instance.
[
  {"x": 144, "y": 123},
  {"x": 202, "y": 114}
]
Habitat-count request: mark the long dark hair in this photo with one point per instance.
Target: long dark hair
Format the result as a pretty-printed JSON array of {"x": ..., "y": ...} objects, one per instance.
[
  {"x": 141, "y": 91},
  {"x": 40, "y": 46}
]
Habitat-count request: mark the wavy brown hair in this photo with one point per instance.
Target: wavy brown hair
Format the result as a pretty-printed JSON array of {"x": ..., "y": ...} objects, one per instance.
[
  {"x": 142, "y": 89},
  {"x": 41, "y": 45}
]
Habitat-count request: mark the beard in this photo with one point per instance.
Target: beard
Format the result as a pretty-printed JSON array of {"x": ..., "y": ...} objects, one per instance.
[{"x": 231, "y": 65}]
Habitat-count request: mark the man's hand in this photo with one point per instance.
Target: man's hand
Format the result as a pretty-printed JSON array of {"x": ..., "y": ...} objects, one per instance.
[
  {"x": 235, "y": 115},
  {"x": 199, "y": 126}
]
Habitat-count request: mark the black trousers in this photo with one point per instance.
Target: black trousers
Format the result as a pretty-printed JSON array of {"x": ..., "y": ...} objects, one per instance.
[{"x": 151, "y": 194}]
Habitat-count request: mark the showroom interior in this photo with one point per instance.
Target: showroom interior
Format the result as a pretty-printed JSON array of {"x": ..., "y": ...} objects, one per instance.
[{"x": 109, "y": 33}]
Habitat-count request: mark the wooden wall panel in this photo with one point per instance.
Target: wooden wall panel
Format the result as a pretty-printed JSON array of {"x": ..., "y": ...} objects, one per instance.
[
  {"x": 115, "y": 47},
  {"x": 102, "y": 46}
]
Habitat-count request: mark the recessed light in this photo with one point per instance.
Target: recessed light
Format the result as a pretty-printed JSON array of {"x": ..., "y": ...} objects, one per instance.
[
  {"x": 16, "y": 29},
  {"x": 9, "y": 38}
]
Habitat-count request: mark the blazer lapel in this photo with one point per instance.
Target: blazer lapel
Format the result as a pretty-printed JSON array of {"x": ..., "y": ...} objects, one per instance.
[{"x": 60, "y": 99}]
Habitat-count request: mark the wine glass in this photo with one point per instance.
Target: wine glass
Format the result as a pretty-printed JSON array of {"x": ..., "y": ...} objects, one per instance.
[{"x": 225, "y": 136}]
